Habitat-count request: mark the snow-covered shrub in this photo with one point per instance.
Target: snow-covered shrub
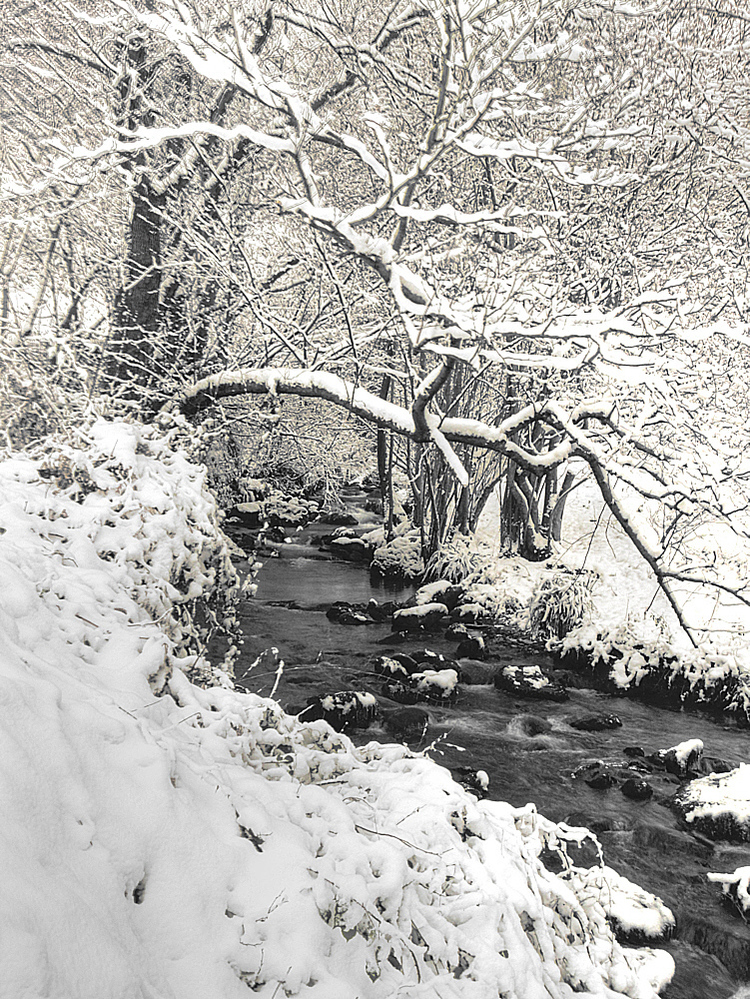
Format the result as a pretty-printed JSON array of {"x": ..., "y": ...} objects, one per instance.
[
  {"x": 43, "y": 385},
  {"x": 652, "y": 669},
  {"x": 561, "y": 603},
  {"x": 635, "y": 915},
  {"x": 144, "y": 510},
  {"x": 459, "y": 557},
  {"x": 491, "y": 599},
  {"x": 400, "y": 557}
]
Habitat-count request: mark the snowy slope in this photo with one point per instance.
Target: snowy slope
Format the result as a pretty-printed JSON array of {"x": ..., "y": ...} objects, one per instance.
[{"x": 162, "y": 839}]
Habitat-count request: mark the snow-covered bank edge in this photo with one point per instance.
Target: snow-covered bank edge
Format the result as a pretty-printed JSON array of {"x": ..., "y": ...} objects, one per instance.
[
  {"x": 655, "y": 671},
  {"x": 165, "y": 839}
]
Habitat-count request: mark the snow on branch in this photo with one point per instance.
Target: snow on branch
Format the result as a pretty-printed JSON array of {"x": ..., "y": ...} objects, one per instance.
[
  {"x": 150, "y": 138},
  {"x": 325, "y": 385}
]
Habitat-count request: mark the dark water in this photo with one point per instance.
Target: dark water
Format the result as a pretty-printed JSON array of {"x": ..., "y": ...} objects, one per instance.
[
  {"x": 487, "y": 730},
  {"x": 320, "y": 581}
]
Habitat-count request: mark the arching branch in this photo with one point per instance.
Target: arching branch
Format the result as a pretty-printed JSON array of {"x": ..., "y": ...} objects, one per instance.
[{"x": 318, "y": 384}]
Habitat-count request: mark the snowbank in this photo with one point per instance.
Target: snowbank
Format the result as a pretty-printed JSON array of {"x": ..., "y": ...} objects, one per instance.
[
  {"x": 655, "y": 670},
  {"x": 162, "y": 839}
]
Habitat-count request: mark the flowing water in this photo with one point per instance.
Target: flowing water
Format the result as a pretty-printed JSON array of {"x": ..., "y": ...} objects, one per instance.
[{"x": 489, "y": 730}]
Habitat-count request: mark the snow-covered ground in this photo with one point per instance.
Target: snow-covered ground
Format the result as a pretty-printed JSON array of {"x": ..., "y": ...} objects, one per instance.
[
  {"x": 162, "y": 839},
  {"x": 626, "y": 593}
]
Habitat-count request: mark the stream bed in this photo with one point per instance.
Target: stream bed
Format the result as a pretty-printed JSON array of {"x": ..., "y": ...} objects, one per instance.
[{"x": 528, "y": 748}]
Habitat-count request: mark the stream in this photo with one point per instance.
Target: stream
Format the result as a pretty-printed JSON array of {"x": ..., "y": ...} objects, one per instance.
[{"x": 494, "y": 731}]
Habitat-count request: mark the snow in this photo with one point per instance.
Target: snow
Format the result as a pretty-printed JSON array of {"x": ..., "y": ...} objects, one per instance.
[
  {"x": 349, "y": 701},
  {"x": 426, "y": 594},
  {"x": 420, "y": 611},
  {"x": 721, "y": 796},
  {"x": 692, "y": 749},
  {"x": 631, "y": 909},
  {"x": 530, "y": 676},
  {"x": 627, "y": 602},
  {"x": 430, "y": 679},
  {"x": 737, "y": 885},
  {"x": 165, "y": 839}
]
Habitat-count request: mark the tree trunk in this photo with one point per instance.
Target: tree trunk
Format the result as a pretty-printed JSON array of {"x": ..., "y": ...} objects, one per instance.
[{"x": 137, "y": 313}]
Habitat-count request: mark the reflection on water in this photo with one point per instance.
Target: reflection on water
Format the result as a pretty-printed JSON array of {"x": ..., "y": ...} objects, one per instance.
[{"x": 321, "y": 581}]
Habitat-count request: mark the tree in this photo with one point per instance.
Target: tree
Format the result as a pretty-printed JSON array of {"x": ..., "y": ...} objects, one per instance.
[{"x": 451, "y": 220}]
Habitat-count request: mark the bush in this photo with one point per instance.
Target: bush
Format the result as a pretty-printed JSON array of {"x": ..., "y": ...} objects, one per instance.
[
  {"x": 458, "y": 558},
  {"x": 401, "y": 557},
  {"x": 562, "y": 603}
]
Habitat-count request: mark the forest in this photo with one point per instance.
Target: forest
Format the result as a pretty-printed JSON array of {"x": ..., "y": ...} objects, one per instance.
[
  {"x": 503, "y": 236},
  {"x": 494, "y": 251}
]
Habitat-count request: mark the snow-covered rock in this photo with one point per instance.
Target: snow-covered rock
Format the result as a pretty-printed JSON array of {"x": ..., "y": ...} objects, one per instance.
[
  {"x": 529, "y": 681},
  {"x": 425, "y": 616},
  {"x": 636, "y": 915},
  {"x": 684, "y": 757},
  {"x": 735, "y": 886},
  {"x": 442, "y": 591},
  {"x": 718, "y": 805},
  {"x": 343, "y": 710},
  {"x": 163, "y": 838}
]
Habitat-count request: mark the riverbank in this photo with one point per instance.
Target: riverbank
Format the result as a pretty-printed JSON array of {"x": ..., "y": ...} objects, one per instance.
[{"x": 200, "y": 839}]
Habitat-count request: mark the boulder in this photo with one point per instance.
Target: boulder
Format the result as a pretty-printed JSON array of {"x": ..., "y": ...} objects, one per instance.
[
  {"x": 441, "y": 591},
  {"x": 684, "y": 758},
  {"x": 390, "y": 667},
  {"x": 718, "y": 806},
  {"x": 475, "y": 781},
  {"x": 274, "y": 533},
  {"x": 288, "y": 511},
  {"x": 250, "y": 514},
  {"x": 636, "y": 916},
  {"x": 529, "y": 681},
  {"x": 736, "y": 889},
  {"x": 436, "y": 686},
  {"x": 349, "y": 614},
  {"x": 401, "y": 692},
  {"x": 381, "y": 612},
  {"x": 471, "y": 647},
  {"x": 437, "y": 661},
  {"x": 338, "y": 518},
  {"x": 530, "y": 725},
  {"x": 423, "y": 617},
  {"x": 434, "y": 659},
  {"x": 601, "y": 781},
  {"x": 637, "y": 790},
  {"x": 406, "y": 724},
  {"x": 469, "y": 614},
  {"x": 595, "y": 723},
  {"x": 431, "y": 686},
  {"x": 457, "y": 632},
  {"x": 409, "y": 663},
  {"x": 343, "y": 710},
  {"x": 351, "y": 549}
]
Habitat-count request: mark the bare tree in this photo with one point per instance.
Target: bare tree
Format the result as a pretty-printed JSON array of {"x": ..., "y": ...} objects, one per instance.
[{"x": 478, "y": 227}]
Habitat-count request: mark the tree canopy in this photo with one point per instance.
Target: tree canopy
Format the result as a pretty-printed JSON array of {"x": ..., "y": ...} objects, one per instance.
[{"x": 512, "y": 236}]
